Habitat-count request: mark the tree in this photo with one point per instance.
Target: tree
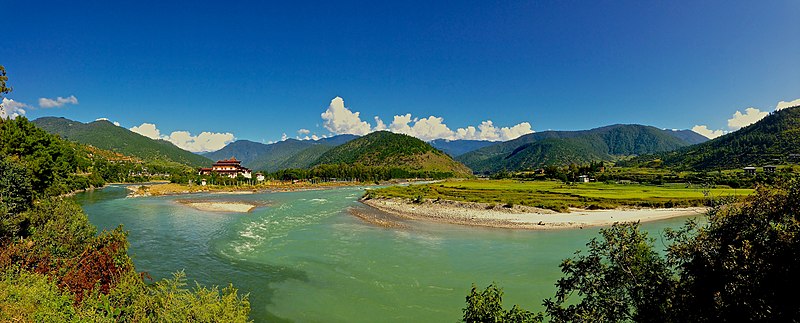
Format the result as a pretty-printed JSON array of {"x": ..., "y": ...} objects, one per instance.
[
  {"x": 740, "y": 265},
  {"x": 16, "y": 195},
  {"x": 743, "y": 263},
  {"x": 4, "y": 89},
  {"x": 621, "y": 278}
]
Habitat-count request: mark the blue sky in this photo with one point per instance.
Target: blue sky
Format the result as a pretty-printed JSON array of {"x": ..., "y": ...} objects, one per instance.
[{"x": 258, "y": 70}]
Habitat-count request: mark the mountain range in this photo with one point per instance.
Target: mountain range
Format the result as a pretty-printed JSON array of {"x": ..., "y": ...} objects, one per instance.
[
  {"x": 457, "y": 148},
  {"x": 534, "y": 150},
  {"x": 289, "y": 153},
  {"x": 545, "y": 148},
  {"x": 773, "y": 139}
]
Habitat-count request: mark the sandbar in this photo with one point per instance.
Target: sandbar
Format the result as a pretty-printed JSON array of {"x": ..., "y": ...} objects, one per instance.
[
  {"x": 520, "y": 217},
  {"x": 221, "y": 206}
]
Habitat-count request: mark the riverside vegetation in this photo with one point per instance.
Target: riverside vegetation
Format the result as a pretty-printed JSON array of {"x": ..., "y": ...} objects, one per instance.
[
  {"x": 738, "y": 266},
  {"x": 55, "y": 267}
]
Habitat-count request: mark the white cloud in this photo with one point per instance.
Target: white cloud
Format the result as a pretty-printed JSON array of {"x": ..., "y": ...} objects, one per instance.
[
  {"x": 708, "y": 133},
  {"x": 783, "y": 104},
  {"x": 750, "y": 116},
  {"x": 379, "y": 125},
  {"x": 487, "y": 131},
  {"x": 340, "y": 120},
  {"x": 284, "y": 137},
  {"x": 303, "y": 131},
  {"x": 10, "y": 109},
  {"x": 57, "y": 102},
  {"x": 426, "y": 128},
  {"x": 148, "y": 130},
  {"x": 205, "y": 141},
  {"x": 106, "y": 119}
]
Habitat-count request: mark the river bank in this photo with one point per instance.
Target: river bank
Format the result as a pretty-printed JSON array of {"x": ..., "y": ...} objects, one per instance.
[{"x": 520, "y": 217}]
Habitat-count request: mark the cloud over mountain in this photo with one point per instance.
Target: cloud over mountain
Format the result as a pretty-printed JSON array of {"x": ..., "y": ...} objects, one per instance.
[
  {"x": 740, "y": 120},
  {"x": 338, "y": 119},
  {"x": 205, "y": 141},
  {"x": 750, "y": 116}
]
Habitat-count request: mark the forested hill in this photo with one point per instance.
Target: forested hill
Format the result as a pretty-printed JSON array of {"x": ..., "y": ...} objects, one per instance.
[
  {"x": 290, "y": 153},
  {"x": 565, "y": 147},
  {"x": 387, "y": 149},
  {"x": 105, "y": 135},
  {"x": 772, "y": 139}
]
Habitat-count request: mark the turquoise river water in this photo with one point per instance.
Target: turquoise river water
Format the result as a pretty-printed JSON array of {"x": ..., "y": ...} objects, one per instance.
[{"x": 304, "y": 258}]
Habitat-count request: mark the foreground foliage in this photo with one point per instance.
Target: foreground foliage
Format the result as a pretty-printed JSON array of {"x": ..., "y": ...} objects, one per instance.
[
  {"x": 741, "y": 265},
  {"x": 55, "y": 267}
]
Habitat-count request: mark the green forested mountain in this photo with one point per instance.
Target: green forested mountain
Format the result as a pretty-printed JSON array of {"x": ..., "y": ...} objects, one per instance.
[
  {"x": 305, "y": 158},
  {"x": 387, "y": 149},
  {"x": 565, "y": 147},
  {"x": 772, "y": 139},
  {"x": 290, "y": 153},
  {"x": 456, "y": 148},
  {"x": 105, "y": 135}
]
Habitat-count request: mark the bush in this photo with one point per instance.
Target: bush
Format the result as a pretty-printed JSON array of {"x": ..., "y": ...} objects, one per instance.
[{"x": 487, "y": 306}]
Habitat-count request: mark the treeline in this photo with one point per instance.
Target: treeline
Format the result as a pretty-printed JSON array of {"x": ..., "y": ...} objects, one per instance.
[
  {"x": 737, "y": 266},
  {"x": 607, "y": 172},
  {"x": 355, "y": 172}
]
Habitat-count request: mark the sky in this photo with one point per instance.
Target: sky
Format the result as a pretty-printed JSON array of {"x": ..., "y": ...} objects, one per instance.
[{"x": 202, "y": 74}]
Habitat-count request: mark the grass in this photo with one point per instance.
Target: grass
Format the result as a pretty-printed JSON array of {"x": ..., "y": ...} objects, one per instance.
[{"x": 558, "y": 196}]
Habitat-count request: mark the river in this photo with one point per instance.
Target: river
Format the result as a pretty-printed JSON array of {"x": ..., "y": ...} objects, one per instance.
[{"x": 304, "y": 258}]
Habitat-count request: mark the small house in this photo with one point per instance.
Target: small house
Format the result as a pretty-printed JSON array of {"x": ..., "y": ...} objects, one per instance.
[
  {"x": 203, "y": 182},
  {"x": 583, "y": 179},
  {"x": 770, "y": 169},
  {"x": 260, "y": 177},
  {"x": 750, "y": 170}
]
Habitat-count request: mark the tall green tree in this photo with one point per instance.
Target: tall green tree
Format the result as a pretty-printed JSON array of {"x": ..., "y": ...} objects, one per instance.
[{"x": 16, "y": 196}]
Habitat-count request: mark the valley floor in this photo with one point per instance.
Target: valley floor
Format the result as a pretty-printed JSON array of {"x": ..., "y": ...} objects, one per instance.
[{"x": 520, "y": 217}]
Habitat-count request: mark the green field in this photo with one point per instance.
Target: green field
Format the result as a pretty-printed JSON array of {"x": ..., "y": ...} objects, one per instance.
[{"x": 559, "y": 196}]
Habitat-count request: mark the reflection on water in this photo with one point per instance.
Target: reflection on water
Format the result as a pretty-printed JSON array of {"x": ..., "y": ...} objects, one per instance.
[{"x": 305, "y": 258}]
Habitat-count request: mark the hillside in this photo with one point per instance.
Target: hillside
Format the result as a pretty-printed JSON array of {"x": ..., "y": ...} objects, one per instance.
[
  {"x": 387, "y": 149},
  {"x": 290, "y": 153},
  {"x": 771, "y": 140},
  {"x": 105, "y": 135},
  {"x": 456, "y": 148},
  {"x": 688, "y": 136},
  {"x": 564, "y": 147}
]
